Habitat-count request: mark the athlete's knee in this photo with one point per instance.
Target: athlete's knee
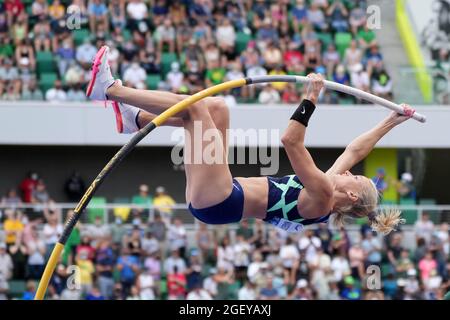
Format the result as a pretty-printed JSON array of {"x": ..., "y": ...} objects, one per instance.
[{"x": 218, "y": 108}]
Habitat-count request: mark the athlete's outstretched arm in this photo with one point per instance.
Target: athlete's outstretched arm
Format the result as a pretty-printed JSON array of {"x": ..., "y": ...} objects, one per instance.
[
  {"x": 360, "y": 148},
  {"x": 314, "y": 180}
]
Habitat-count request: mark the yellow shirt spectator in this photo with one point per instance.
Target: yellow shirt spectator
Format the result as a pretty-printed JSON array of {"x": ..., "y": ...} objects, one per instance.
[
  {"x": 279, "y": 86},
  {"x": 86, "y": 270},
  {"x": 163, "y": 201},
  {"x": 12, "y": 227}
]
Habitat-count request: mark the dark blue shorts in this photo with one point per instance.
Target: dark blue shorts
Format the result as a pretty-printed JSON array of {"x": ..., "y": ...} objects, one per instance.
[{"x": 228, "y": 211}]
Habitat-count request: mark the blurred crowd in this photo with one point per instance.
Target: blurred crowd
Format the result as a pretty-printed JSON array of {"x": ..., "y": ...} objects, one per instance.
[
  {"x": 164, "y": 259},
  {"x": 186, "y": 45}
]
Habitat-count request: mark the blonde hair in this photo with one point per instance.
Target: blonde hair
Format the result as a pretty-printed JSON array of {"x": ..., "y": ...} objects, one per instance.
[{"x": 384, "y": 221}]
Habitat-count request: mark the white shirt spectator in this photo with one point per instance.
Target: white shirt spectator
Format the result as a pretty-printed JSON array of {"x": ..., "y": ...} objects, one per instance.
[
  {"x": 380, "y": 89},
  {"x": 175, "y": 80},
  {"x": 177, "y": 237},
  {"x": 310, "y": 245},
  {"x": 6, "y": 265},
  {"x": 171, "y": 262},
  {"x": 360, "y": 80},
  {"x": 52, "y": 233},
  {"x": 241, "y": 254},
  {"x": 200, "y": 294},
  {"x": 289, "y": 255},
  {"x": 256, "y": 71},
  {"x": 137, "y": 10},
  {"x": 321, "y": 261},
  {"x": 225, "y": 257},
  {"x": 35, "y": 249},
  {"x": 253, "y": 269},
  {"x": 226, "y": 35},
  {"x": 135, "y": 75},
  {"x": 210, "y": 285},
  {"x": 269, "y": 95},
  {"x": 146, "y": 284},
  {"x": 247, "y": 294},
  {"x": 86, "y": 53},
  {"x": 340, "y": 267},
  {"x": 55, "y": 95},
  {"x": 164, "y": 32},
  {"x": 234, "y": 74},
  {"x": 150, "y": 245},
  {"x": 4, "y": 286},
  {"x": 424, "y": 229}
]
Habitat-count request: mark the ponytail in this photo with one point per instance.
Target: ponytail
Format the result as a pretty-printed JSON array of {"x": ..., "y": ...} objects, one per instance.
[{"x": 385, "y": 221}]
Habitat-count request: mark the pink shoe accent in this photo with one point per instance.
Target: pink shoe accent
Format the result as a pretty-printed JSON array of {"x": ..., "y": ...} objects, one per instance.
[
  {"x": 95, "y": 69},
  {"x": 119, "y": 121}
]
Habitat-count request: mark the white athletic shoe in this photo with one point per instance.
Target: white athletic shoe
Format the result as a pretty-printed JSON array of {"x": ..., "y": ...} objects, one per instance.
[
  {"x": 126, "y": 117},
  {"x": 101, "y": 77}
]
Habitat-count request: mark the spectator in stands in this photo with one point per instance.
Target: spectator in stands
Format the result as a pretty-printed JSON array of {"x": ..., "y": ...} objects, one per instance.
[
  {"x": 193, "y": 272},
  {"x": 65, "y": 55},
  {"x": 31, "y": 91},
  {"x": 143, "y": 200},
  {"x": 158, "y": 227},
  {"x": 175, "y": 78},
  {"x": 359, "y": 78},
  {"x": 205, "y": 241},
  {"x": 13, "y": 8},
  {"x": 241, "y": 260},
  {"x": 85, "y": 53},
  {"x": 52, "y": 231},
  {"x": 104, "y": 264},
  {"x": 56, "y": 94},
  {"x": 87, "y": 270},
  {"x": 150, "y": 244},
  {"x": 94, "y": 294},
  {"x": 353, "y": 57},
  {"x": 8, "y": 74},
  {"x": 338, "y": 14},
  {"x": 135, "y": 76},
  {"x": 12, "y": 226},
  {"x": 289, "y": 255},
  {"x": 165, "y": 35},
  {"x": 340, "y": 267},
  {"x": 366, "y": 37},
  {"x": 380, "y": 181},
  {"x": 98, "y": 14},
  {"x": 6, "y": 264},
  {"x": 301, "y": 291},
  {"x": 331, "y": 59},
  {"x": 11, "y": 199},
  {"x": 394, "y": 249},
  {"x": 357, "y": 19},
  {"x": 269, "y": 95},
  {"x": 424, "y": 227},
  {"x": 317, "y": 17},
  {"x": 176, "y": 284},
  {"x": 350, "y": 292},
  {"x": 137, "y": 14},
  {"x": 153, "y": 264},
  {"x": 290, "y": 94},
  {"x": 177, "y": 236},
  {"x": 145, "y": 284},
  {"x": 128, "y": 266},
  {"x": 116, "y": 11},
  {"x": 163, "y": 202},
  {"x": 405, "y": 187},
  {"x": 4, "y": 286}
]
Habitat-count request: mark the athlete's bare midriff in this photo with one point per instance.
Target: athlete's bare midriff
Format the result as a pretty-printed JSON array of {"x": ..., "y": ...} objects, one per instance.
[{"x": 256, "y": 191}]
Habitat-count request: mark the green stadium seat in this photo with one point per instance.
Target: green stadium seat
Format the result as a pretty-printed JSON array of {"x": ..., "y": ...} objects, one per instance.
[
  {"x": 163, "y": 289},
  {"x": 325, "y": 38},
  {"x": 79, "y": 35},
  {"x": 45, "y": 62},
  {"x": 342, "y": 41},
  {"x": 242, "y": 39},
  {"x": 409, "y": 215},
  {"x": 95, "y": 208},
  {"x": 17, "y": 288},
  {"x": 166, "y": 60},
  {"x": 47, "y": 80},
  {"x": 153, "y": 81}
]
